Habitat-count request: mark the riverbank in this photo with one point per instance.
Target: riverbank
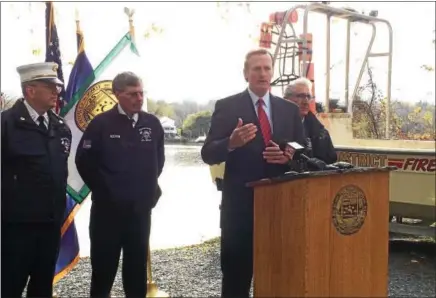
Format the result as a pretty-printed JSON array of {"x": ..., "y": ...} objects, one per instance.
[
  {"x": 194, "y": 271},
  {"x": 183, "y": 143}
]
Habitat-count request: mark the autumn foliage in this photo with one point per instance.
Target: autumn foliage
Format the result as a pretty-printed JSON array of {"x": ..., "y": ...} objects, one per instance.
[{"x": 407, "y": 121}]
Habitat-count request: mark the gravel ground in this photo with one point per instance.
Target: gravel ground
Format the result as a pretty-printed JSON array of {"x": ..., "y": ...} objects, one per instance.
[{"x": 195, "y": 271}]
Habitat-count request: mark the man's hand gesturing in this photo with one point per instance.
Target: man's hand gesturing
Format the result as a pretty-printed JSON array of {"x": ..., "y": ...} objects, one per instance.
[
  {"x": 273, "y": 154},
  {"x": 242, "y": 134}
]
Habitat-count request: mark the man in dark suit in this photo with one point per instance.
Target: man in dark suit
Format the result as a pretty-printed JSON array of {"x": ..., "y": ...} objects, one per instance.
[{"x": 245, "y": 133}]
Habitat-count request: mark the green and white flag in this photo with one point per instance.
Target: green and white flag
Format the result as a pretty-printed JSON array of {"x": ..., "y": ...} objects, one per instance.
[{"x": 92, "y": 98}]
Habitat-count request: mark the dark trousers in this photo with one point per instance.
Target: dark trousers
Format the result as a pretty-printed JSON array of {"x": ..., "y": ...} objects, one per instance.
[
  {"x": 111, "y": 229},
  {"x": 29, "y": 250},
  {"x": 236, "y": 261}
]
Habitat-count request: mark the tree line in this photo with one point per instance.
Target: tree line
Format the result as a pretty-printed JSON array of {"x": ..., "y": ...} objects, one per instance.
[
  {"x": 191, "y": 118},
  {"x": 408, "y": 121}
]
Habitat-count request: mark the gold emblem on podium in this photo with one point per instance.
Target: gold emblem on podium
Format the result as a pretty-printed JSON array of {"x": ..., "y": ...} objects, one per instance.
[
  {"x": 349, "y": 210},
  {"x": 97, "y": 99}
]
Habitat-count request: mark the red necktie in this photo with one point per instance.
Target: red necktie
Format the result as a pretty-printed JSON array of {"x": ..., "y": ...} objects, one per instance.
[{"x": 263, "y": 121}]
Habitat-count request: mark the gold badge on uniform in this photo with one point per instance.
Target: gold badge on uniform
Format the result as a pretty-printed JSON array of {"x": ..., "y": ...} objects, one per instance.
[
  {"x": 349, "y": 210},
  {"x": 97, "y": 99}
]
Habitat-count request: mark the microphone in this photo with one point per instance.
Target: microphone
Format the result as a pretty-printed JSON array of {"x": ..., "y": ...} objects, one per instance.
[
  {"x": 313, "y": 164},
  {"x": 343, "y": 165}
]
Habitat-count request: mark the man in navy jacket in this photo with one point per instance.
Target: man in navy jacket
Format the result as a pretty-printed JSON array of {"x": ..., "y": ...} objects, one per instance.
[{"x": 120, "y": 157}]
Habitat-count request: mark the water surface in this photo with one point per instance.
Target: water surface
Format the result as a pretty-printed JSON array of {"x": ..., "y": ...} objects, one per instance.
[{"x": 187, "y": 212}]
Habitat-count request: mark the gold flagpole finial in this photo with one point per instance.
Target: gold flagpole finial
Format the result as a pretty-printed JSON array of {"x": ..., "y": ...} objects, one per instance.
[
  {"x": 77, "y": 18},
  {"x": 130, "y": 12}
]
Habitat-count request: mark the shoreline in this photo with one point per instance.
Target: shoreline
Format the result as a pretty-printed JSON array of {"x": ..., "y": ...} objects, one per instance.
[
  {"x": 187, "y": 143},
  {"x": 395, "y": 239}
]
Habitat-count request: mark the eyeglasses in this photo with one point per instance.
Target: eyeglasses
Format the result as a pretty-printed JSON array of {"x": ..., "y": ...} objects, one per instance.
[
  {"x": 135, "y": 94},
  {"x": 54, "y": 89},
  {"x": 302, "y": 96}
]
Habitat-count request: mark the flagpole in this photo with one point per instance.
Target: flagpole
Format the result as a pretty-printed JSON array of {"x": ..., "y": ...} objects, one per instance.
[
  {"x": 152, "y": 289},
  {"x": 76, "y": 15},
  {"x": 130, "y": 12}
]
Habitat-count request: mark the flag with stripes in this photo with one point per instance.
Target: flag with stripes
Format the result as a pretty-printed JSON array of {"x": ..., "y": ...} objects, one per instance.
[
  {"x": 69, "y": 247},
  {"x": 52, "y": 48}
]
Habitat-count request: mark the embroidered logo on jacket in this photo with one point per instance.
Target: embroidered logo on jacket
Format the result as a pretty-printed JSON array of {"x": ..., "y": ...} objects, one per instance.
[
  {"x": 65, "y": 142},
  {"x": 145, "y": 133}
]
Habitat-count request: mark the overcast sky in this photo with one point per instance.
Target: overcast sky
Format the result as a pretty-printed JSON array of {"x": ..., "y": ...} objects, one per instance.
[{"x": 199, "y": 56}]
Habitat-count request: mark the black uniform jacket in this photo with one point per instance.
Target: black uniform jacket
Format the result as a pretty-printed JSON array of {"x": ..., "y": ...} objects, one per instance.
[
  {"x": 120, "y": 163},
  {"x": 321, "y": 142},
  {"x": 34, "y": 167},
  {"x": 246, "y": 163}
]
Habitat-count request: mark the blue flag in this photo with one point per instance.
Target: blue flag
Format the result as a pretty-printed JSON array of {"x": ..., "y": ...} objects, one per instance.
[
  {"x": 81, "y": 72},
  {"x": 52, "y": 48},
  {"x": 69, "y": 247},
  {"x": 79, "y": 110}
]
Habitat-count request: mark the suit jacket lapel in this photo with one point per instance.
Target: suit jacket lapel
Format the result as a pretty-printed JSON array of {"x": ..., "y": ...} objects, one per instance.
[
  {"x": 23, "y": 118},
  {"x": 247, "y": 107},
  {"x": 249, "y": 116}
]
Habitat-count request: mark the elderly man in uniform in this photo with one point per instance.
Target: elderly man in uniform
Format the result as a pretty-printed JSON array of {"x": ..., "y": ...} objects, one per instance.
[
  {"x": 35, "y": 147},
  {"x": 120, "y": 157},
  {"x": 318, "y": 141}
]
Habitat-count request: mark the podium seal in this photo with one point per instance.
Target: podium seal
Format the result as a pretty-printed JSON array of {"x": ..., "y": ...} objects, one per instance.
[
  {"x": 97, "y": 99},
  {"x": 349, "y": 210}
]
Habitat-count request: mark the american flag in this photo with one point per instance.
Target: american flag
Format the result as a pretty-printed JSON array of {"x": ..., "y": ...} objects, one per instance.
[{"x": 52, "y": 49}]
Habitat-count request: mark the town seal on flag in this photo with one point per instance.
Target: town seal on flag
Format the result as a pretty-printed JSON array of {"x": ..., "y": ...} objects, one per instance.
[
  {"x": 97, "y": 99},
  {"x": 349, "y": 210}
]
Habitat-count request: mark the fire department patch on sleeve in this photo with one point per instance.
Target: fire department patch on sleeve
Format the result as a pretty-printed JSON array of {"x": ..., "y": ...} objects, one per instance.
[
  {"x": 86, "y": 144},
  {"x": 65, "y": 142}
]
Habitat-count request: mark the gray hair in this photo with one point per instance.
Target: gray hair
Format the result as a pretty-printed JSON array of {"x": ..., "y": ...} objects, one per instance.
[
  {"x": 124, "y": 80},
  {"x": 255, "y": 52},
  {"x": 298, "y": 82}
]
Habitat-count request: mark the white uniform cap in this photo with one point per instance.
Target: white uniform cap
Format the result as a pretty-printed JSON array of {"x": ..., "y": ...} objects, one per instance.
[{"x": 45, "y": 71}]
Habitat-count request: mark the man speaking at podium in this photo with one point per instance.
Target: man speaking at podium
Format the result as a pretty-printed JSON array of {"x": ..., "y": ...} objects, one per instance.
[{"x": 245, "y": 131}]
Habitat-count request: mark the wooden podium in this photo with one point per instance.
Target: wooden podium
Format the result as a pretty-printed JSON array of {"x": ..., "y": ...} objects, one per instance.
[{"x": 322, "y": 234}]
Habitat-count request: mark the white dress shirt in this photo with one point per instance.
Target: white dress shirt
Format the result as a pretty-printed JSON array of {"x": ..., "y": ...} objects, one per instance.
[
  {"x": 134, "y": 116},
  {"x": 34, "y": 115},
  {"x": 266, "y": 107}
]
